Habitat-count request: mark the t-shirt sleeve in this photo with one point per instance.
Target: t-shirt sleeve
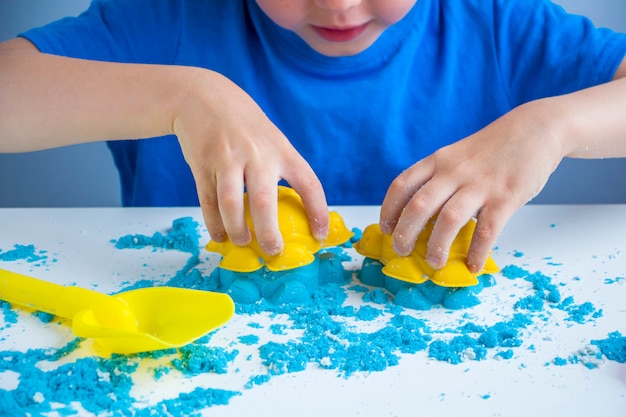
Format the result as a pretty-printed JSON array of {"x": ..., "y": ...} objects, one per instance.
[
  {"x": 544, "y": 51},
  {"x": 138, "y": 31}
]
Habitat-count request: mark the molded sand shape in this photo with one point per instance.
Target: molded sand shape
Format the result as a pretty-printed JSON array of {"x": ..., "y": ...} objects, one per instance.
[
  {"x": 300, "y": 245},
  {"x": 414, "y": 268}
]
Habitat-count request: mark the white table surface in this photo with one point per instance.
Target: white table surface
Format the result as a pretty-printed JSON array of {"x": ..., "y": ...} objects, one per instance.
[{"x": 581, "y": 248}]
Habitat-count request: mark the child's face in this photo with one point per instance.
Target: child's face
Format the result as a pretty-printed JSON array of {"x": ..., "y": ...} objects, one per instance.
[{"x": 337, "y": 27}]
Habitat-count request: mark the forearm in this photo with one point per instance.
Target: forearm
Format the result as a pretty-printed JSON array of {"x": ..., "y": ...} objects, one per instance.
[
  {"x": 591, "y": 122},
  {"x": 49, "y": 101}
]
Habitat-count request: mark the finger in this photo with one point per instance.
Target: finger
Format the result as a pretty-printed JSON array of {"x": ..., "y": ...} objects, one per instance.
[
  {"x": 454, "y": 214},
  {"x": 310, "y": 189},
  {"x": 263, "y": 202},
  {"x": 206, "y": 181},
  {"x": 424, "y": 204},
  {"x": 207, "y": 196},
  {"x": 490, "y": 222},
  {"x": 230, "y": 189},
  {"x": 400, "y": 192}
]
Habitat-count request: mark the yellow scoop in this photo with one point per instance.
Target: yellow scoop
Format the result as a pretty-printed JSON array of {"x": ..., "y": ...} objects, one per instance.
[{"x": 139, "y": 320}]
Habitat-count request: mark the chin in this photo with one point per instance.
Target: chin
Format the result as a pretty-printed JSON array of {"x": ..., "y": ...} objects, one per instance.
[{"x": 340, "y": 49}]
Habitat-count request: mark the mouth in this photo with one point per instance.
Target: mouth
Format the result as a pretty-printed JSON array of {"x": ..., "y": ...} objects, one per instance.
[{"x": 340, "y": 34}]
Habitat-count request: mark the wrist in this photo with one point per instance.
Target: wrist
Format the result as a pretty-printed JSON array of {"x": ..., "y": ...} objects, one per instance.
[
  {"x": 201, "y": 94},
  {"x": 591, "y": 121},
  {"x": 545, "y": 125}
]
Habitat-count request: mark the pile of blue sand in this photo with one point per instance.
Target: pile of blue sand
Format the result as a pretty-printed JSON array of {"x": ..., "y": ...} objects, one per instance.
[{"x": 321, "y": 328}]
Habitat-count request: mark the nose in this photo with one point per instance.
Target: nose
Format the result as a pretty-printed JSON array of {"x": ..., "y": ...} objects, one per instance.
[{"x": 337, "y": 5}]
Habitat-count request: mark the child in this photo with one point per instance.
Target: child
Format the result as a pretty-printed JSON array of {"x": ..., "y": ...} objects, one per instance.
[{"x": 462, "y": 108}]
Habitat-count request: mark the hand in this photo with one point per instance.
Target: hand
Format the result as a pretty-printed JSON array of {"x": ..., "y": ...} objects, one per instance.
[
  {"x": 230, "y": 144},
  {"x": 226, "y": 139},
  {"x": 487, "y": 175}
]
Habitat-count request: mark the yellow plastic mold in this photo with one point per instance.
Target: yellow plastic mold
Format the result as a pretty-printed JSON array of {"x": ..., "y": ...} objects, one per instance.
[
  {"x": 300, "y": 245},
  {"x": 414, "y": 268}
]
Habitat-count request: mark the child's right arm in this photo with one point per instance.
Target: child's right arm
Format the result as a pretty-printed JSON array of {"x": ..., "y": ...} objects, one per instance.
[{"x": 49, "y": 101}]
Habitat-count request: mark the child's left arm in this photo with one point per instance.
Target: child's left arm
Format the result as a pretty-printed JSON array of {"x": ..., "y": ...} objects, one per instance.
[{"x": 493, "y": 172}]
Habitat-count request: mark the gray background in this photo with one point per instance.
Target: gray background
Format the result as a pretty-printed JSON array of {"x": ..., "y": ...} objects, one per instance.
[{"x": 84, "y": 175}]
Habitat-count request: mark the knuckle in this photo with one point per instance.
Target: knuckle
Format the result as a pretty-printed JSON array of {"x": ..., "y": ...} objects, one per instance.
[
  {"x": 312, "y": 187},
  {"x": 208, "y": 202},
  {"x": 229, "y": 200},
  {"x": 262, "y": 199},
  {"x": 418, "y": 203},
  {"x": 211, "y": 216},
  {"x": 401, "y": 184},
  {"x": 485, "y": 232},
  {"x": 451, "y": 216}
]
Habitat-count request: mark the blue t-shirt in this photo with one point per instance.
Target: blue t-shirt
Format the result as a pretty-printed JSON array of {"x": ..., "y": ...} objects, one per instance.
[{"x": 446, "y": 70}]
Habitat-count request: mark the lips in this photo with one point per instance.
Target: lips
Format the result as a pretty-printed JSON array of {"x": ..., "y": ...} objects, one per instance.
[{"x": 340, "y": 34}]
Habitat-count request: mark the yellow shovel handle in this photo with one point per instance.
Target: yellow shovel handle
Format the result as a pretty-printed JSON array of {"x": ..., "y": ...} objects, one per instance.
[{"x": 45, "y": 296}]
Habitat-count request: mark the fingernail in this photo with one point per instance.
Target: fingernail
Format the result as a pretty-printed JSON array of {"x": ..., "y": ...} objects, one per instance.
[
  {"x": 322, "y": 233},
  {"x": 474, "y": 268},
  {"x": 219, "y": 237},
  {"x": 387, "y": 226},
  {"x": 402, "y": 250},
  {"x": 434, "y": 261},
  {"x": 273, "y": 248},
  {"x": 319, "y": 232},
  {"x": 242, "y": 241}
]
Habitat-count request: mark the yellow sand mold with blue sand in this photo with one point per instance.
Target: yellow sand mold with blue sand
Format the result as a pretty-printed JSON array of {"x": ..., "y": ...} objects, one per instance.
[
  {"x": 300, "y": 244},
  {"x": 414, "y": 268}
]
